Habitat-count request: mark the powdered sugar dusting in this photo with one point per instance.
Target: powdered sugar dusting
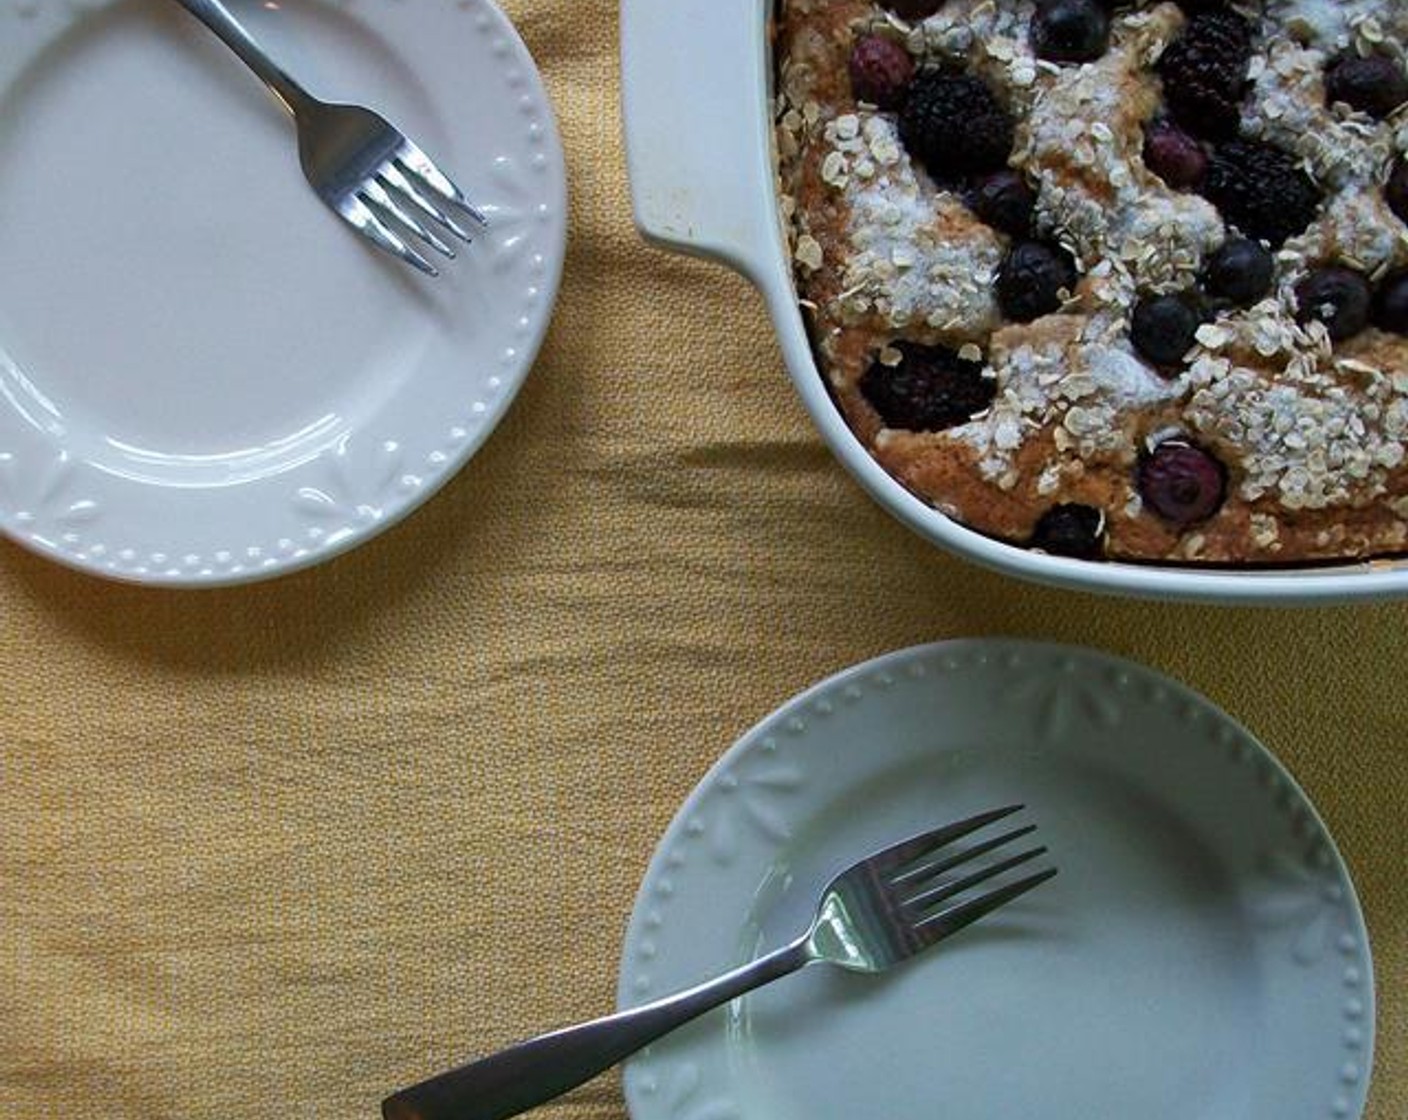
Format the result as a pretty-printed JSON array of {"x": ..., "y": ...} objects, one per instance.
[
  {"x": 1083, "y": 141},
  {"x": 990, "y": 39},
  {"x": 920, "y": 259},
  {"x": 1332, "y": 25},
  {"x": 1319, "y": 437},
  {"x": 1125, "y": 381},
  {"x": 1356, "y": 228},
  {"x": 1287, "y": 108},
  {"x": 1053, "y": 379}
]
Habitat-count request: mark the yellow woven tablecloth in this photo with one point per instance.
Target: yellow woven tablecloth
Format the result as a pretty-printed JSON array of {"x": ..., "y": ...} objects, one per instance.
[{"x": 265, "y": 851}]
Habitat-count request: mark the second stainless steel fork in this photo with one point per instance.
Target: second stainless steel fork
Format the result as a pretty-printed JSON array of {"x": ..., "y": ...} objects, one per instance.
[
  {"x": 366, "y": 170},
  {"x": 877, "y": 913}
]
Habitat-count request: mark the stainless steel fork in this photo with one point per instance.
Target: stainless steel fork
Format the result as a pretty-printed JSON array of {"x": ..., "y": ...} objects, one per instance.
[
  {"x": 873, "y": 915},
  {"x": 366, "y": 170}
]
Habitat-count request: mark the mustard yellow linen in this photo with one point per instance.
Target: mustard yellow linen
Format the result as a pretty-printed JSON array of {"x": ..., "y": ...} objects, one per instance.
[{"x": 272, "y": 851}]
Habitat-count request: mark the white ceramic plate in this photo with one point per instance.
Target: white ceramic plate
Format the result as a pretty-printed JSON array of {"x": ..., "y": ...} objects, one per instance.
[
  {"x": 204, "y": 376},
  {"x": 1200, "y": 956}
]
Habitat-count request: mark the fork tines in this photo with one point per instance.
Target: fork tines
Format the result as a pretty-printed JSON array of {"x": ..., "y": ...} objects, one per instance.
[
  {"x": 409, "y": 181},
  {"x": 917, "y": 873}
]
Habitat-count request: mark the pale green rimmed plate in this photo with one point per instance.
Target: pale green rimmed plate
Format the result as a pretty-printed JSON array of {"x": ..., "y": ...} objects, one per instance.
[{"x": 1201, "y": 956}]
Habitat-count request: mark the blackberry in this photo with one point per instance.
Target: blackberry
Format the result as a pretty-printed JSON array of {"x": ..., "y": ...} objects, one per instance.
[
  {"x": 955, "y": 126},
  {"x": 1205, "y": 73},
  {"x": 1181, "y": 483},
  {"x": 1070, "y": 30},
  {"x": 1375, "y": 85},
  {"x": 1070, "y": 529},
  {"x": 1163, "y": 330},
  {"x": 1338, "y": 297},
  {"x": 1031, "y": 279},
  {"x": 1396, "y": 190},
  {"x": 1391, "y": 305},
  {"x": 914, "y": 9},
  {"x": 1261, "y": 190},
  {"x": 1240, "y": 272},
  {"x": 880, "y": 70},
  {"x": 931, "y": 388},
  {"x": 1005, "y": 200},
  {"x": 1174, "y": 156}
]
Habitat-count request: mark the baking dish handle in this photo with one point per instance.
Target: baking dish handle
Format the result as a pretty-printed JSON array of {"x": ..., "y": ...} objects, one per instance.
[{"x": 695, "y": 100}]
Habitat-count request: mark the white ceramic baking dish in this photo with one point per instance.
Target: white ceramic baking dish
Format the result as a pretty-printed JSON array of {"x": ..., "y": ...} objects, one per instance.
[{"x": 696, "y": 91}]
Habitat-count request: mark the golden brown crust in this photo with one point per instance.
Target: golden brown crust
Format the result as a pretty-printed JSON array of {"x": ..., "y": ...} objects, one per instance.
[{"x": 1312, "y": 435}]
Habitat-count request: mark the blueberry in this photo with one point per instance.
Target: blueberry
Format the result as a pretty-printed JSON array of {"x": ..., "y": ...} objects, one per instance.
[
  {"x": 1072, "y": 530},
  {"x": 1396, "y": 190},
  {"x": 880, "y": 71},
  {"x": 1391, "y": 306},
  {"x": 1163, "y": 330},
  {"x": 1070, "y": 31},
  {"x": 1181, "y": 483},
  {"x": 1174, "y": 156},
  {"x": 1375, "y": 85},
  {"x": 1240, "y": 271},
  {"x": 1032, "y": 277},
  {"x": 1005, "y": 200},
  {"x": 1337, "y": 297}
]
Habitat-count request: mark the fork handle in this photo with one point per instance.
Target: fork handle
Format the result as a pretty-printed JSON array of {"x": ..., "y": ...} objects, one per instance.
[
  {"x": 233, "y": 34},
  {"x": 533, "y": 1072}
]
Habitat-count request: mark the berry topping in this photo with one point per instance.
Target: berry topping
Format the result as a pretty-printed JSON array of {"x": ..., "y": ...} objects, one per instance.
[
  {"x": 1375, "y": 85},
  {"x": 930, "y": 389},
  {"x": 1262, "y": 191},
  {"x": 1163, "y": 330},
  {"x": 1174, "y": 156},
  {"x": 1070, "y": 30},
  {"x": 1240, "y": 271},
  {"x": 1205, "y": 73},
  {"x": 914, "y": 9},
  {"x": 1005, "y": 200},
  {"x": 1391, "y": 306},
  {"x": 880, "y": 71},
  {"x": 1181, "y": 483},
  {"x": 1032, "y": 277},
  {"x": 1070, "y": 530},
  {"x": 1337, "y": 297},
  {"x": 955, "y": 126},
  {"x": 1396, "y": 190}
]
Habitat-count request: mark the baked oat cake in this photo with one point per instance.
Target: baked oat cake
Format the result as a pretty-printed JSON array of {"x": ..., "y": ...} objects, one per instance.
[{"x": 1122, "y": 280}]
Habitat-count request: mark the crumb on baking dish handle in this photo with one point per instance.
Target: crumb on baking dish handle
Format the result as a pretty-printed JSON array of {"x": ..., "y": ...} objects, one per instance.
[{"x": 694, "y": 75}]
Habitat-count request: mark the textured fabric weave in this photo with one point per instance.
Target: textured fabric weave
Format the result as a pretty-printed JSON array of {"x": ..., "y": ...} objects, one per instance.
[{"x": 271, "y": 851}]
